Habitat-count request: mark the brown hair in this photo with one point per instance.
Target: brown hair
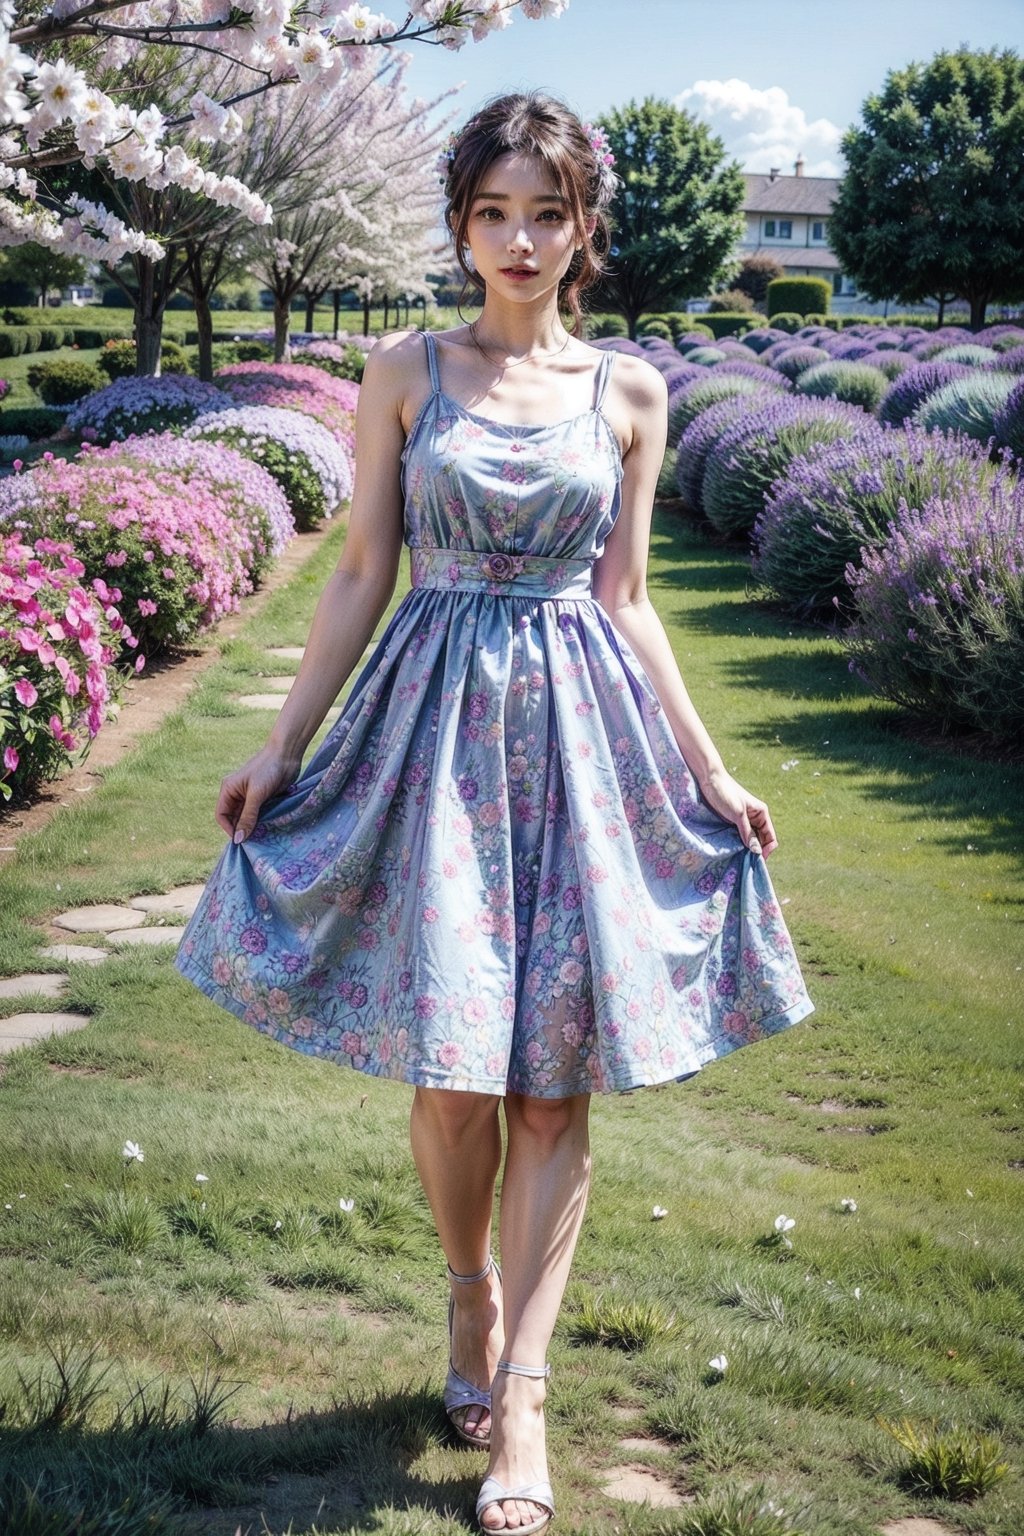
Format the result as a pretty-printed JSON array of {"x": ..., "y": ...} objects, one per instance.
[{"x": 534, "y": 123}]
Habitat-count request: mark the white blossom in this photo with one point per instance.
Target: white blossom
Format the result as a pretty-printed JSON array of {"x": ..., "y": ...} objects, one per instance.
[
  {"x": 719, "y": 1363},
  {"x": 132, "y": 1152}
]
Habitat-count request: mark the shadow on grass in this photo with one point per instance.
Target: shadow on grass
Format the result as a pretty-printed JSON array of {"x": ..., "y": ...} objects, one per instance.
[
  {"x": 350, "y": 1466},
  {"x": 830, "y": 713}
]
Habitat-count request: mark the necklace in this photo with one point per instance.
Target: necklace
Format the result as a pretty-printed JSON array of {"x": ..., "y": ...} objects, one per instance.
[{"x": 531, "y": 357}]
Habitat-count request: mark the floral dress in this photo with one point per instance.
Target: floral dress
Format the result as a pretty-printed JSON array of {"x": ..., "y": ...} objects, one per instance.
[{"x": 497, "y": 872}]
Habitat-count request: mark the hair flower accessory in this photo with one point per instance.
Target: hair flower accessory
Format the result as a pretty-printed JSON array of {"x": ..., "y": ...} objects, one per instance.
[
  {"x": 443, "y": 164},
  {"x": 599, "y": 143}
]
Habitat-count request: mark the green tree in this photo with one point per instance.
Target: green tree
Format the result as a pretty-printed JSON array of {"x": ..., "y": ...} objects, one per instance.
[
  {"x": 933, "y": 201},
  {"x": 42, "y": 269},
  {"x": 676, "y": 217}
]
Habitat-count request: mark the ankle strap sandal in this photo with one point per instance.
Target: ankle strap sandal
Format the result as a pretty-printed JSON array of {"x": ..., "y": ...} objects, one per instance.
[
  {"x": 459, "y": 1394},
  {"x": 493, "y": 1492}
]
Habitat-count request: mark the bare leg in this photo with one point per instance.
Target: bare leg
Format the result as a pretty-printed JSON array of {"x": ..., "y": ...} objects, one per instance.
[
  {"x": 543, "y": 1199},
  {"x": 456, "y": 1146}
]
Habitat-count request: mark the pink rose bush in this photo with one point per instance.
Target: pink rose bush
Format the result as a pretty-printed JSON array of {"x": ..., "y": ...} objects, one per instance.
[
  {"x": 162, "y": 521},
  {"x": 60, "y": 635}
]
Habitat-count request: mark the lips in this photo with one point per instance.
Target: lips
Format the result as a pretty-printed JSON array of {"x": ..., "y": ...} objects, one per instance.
[{"x": 520, "y": 271}]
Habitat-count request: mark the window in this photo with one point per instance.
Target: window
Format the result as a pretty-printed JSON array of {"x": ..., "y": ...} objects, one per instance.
[
  {"x": 785, "y": 229},
  {"x": 818, "y": 230},
  {"x": 769, "y": 226}
]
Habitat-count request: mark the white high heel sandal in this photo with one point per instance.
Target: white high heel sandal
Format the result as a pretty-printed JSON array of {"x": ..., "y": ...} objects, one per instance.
[
  {"x": 493, "y": 1492},
  {"x": 460, "y": 1394}
]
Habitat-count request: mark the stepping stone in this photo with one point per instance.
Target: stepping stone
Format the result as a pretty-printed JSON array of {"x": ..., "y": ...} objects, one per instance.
[
  {"x": 147, "y": 937},
  {"x": 44, "y": 983},
  {"x": 272, "y": 701},
  {"x": 917, "y": 1525},
  {"x": 282, "y": 682},
  {"x": 287, "y": 652},
  {"x": 182, "y": 899},
  {"x": 27, "y": 1028},
  {"x": 100, "y": 918},
  {"x": 634, "y": 1485},
  {"x": 71, "y": 954}
]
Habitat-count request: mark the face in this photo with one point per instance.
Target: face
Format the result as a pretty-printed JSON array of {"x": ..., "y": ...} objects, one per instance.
[{"x": 520, "y": 230}]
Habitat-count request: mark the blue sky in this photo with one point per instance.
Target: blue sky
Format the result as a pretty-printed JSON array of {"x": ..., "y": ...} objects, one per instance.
[{"x": 773, "y": 79}]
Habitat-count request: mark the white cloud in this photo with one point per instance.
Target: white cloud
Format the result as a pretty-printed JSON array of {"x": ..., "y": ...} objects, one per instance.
[{"x": 764, "y": 128}]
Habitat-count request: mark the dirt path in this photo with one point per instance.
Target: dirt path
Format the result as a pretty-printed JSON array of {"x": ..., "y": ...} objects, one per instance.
[{"x": 147, "y": 700}]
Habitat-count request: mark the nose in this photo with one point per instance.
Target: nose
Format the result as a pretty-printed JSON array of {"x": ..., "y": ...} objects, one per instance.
[{"x": 518, "y": 239}]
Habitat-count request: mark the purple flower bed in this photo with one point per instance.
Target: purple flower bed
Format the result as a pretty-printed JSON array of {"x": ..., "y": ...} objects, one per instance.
[
  {"x": 903, "y": 397},
  {"x": 698, "y": 440},
  {"x": 760, "y": 446},
  {"x": 133, "y": 406},
  {"x": 841, "y": 497},
  {"x": 311, "y": 467},
  {"x": 969, "y": 405},
  {"x": 1008, "y": 422},
  {"x": 940, "y": 610},
  {"x": 701, "y": 393}
]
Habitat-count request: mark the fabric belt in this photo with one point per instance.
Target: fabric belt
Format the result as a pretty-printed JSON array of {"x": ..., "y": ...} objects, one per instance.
[{"x": 500, "y": 574}]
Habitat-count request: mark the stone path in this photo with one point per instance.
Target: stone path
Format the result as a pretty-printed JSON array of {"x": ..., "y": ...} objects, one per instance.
[
  {"x": 143, "y": 920},
  {"x": 634, "y": 1484},
  {"x": 146, "y": 921},
  {"x": 281, "y": 683}
]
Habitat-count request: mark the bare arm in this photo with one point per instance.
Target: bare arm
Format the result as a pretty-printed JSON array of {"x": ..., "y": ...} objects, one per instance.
[
  {"x": 354, "y": 596},
  {"x": 620, "y": 585}
]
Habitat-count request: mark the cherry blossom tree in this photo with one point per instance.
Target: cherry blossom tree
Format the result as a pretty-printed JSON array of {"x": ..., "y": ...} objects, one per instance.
[
  {"x": 374, "y": 193},
  {"x": 63, "y": 99}
]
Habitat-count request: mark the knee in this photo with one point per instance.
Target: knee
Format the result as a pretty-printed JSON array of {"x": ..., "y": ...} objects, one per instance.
[
  {"x": 452, "y": 1114},
  {"x": 546, "y": 1120}
]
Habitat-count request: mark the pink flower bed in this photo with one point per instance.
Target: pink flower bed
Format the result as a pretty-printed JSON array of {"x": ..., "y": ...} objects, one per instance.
[
  {"x": 59, "y": 637},
  {"x": 296, "y": 387},
  {"x": 174, "y": 541}
]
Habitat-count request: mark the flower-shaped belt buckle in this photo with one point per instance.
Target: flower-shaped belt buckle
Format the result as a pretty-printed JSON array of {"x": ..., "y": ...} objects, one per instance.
[{"x": 502, "y": 567}]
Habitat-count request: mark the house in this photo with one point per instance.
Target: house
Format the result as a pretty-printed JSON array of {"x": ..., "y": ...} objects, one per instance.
[{"x": 787, "y": 219}]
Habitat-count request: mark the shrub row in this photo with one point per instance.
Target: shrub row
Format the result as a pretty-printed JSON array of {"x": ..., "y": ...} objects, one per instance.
[
  {"x": 907, "y": 529},
  {"x": 186, "y": 524}
]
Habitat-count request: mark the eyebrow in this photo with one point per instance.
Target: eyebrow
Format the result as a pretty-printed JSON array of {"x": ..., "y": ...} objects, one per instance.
[{"x": 502, "y": 197}]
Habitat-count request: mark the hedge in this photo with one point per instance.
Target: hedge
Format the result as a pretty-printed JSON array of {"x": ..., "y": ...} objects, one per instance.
[{"x": 799, "y": 295}]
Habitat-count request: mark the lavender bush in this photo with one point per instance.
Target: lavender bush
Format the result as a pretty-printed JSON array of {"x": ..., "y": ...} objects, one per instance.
[
  {"x": 762, "y": 338},
  {"x": 967, "y": 405},
  {"x": 791, "y": 362},
  {"x": 855, "y": 383},
  {"x": 890, "y": 363},
  {"x": 967, "y": 352},
  {"x": 903, "y": 397},
  {"x": 758, "y": 448},
  {"x": 699, "y": 439},
  {"x": 841, "y": 497},
  {"x": 705, "y": 356},
  {"x": 1008, "y": 422},
  {"x": 940, "y": 611},
  {"x": 694, "y": 398},
  {"x": 1010, "y": 361}
]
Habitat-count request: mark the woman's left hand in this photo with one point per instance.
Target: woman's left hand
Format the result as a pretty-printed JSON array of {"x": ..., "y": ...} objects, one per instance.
[{"x": 747, "y": 813}]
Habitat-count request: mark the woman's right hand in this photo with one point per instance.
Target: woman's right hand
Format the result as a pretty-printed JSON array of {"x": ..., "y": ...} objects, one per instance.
[{"x": 243, "y": 792}]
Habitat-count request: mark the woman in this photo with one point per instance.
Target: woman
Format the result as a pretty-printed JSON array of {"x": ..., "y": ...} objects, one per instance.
[{"x": 516, "y": 870}]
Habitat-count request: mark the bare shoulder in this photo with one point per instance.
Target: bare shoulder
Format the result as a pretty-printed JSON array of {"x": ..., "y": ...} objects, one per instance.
[
  {"x": 638, "y": 382},
  {"x": 392, "y": 355},
  {"x": 636, "y": 403}
]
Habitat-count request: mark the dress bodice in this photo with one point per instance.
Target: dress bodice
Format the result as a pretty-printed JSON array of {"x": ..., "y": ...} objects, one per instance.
[{"x": 472, "y": 483}]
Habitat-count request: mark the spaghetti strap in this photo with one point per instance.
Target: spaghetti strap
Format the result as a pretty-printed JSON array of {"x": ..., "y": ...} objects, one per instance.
[
  {"x": 435, "y": 377},
  {"x": 604, "y": 368}
]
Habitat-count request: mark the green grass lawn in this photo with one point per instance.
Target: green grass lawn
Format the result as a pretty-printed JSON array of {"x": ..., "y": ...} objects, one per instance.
[{"x": 173, "y": 1367}]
